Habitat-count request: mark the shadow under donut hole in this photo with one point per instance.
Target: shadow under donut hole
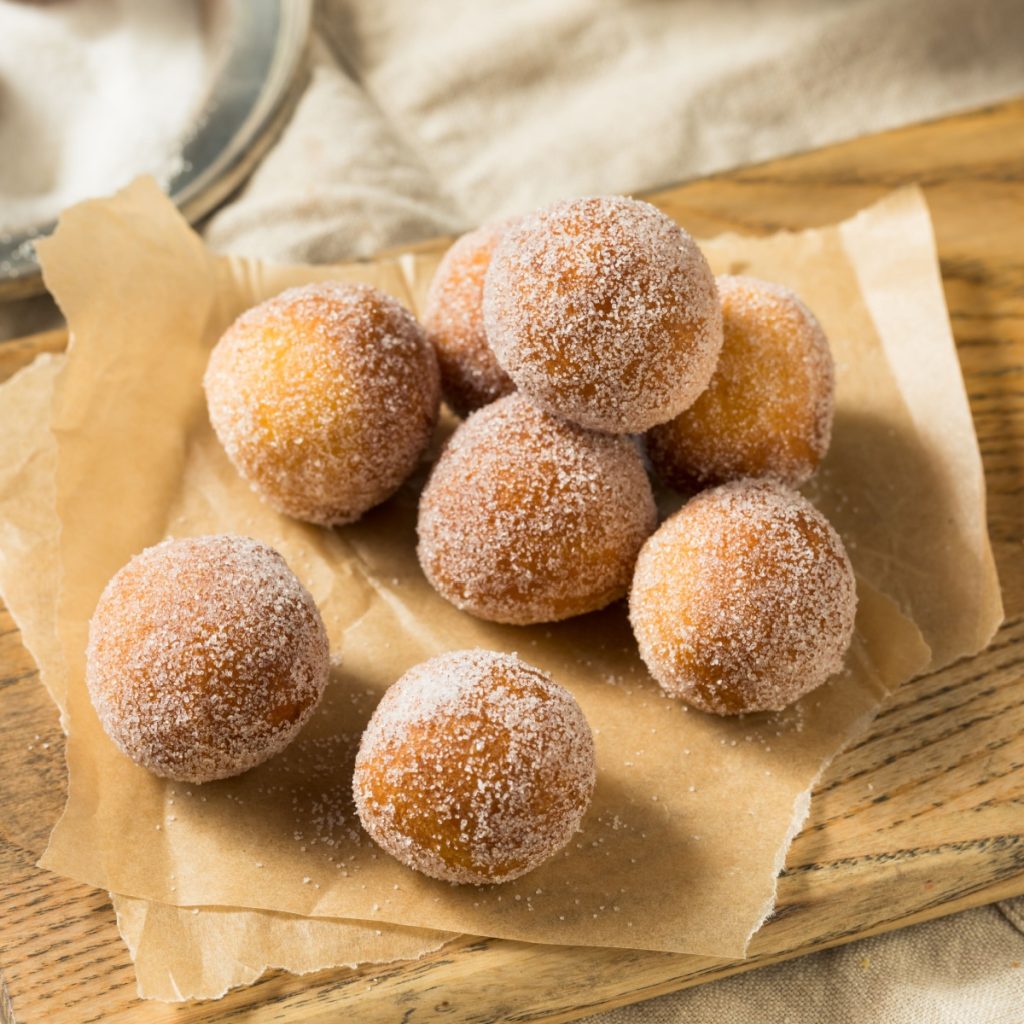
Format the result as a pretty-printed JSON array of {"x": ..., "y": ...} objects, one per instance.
[{"x": 888, "y": 493}]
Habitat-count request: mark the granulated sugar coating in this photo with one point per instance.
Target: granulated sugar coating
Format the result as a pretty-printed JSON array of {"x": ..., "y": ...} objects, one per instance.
[
  {"x": 205, "y": 657},
  {"x": 475, "y": 768},
  {"x": 453, "y": 317},
  {"x": 744, "y": 600},
  {"x": 604, "y": 311},
  {"x": 324, "y": 398},
  {"x": 528, "y": 518},
  {"x": 768, "y": 408}
]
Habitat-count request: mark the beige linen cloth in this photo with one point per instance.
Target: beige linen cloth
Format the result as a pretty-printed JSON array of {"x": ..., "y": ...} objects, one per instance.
[{"x": 426, "y": 118}]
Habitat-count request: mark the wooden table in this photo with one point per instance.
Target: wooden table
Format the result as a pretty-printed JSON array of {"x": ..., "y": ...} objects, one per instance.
[{"x": 923, "y": 817}]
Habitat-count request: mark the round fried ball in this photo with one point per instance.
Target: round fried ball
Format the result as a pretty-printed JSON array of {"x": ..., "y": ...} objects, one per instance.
[
  {"x": 744, "y": 600},
  {"x": 324, "y": 398},
  {"x": 768, "y": 408},
  {"x": 205, "y": 657},
  {"x": 604, "y": 311},
  {"x": 453, "y": 317},
  {"x": 475, "y": 768},
  {"x": 528, "y": 518}
]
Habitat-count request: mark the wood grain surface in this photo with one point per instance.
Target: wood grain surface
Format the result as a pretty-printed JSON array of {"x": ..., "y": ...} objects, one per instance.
[{"x": 924, "y": 816}]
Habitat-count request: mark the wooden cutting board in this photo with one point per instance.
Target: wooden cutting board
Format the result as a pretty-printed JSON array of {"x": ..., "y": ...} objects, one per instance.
[{"x": 924, "y": 816}]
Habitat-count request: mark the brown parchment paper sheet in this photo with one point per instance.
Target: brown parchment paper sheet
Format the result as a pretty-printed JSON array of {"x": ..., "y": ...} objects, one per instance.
[
  {"x": 178, "y": 953},
  {"x": 382, "y": 617},
  {"x": 137, "y": 461}
]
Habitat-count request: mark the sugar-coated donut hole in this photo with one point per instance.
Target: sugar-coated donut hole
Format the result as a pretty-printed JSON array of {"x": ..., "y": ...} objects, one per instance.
[
  {"x": 528, "y": 518},
  {"x": 453, "y": 317},
  {"x": 474, "y": 768},
  {"x": 744, "y": 600},
  {"x": 767, "y": 411},
  {"x": 205, "y": 657},
  {"x": 324, "y": 398},
  {"x": 604, "y": 311}
]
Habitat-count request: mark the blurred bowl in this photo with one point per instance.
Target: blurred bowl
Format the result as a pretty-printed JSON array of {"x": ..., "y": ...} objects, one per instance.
[{"x": 257, "y": 74}]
